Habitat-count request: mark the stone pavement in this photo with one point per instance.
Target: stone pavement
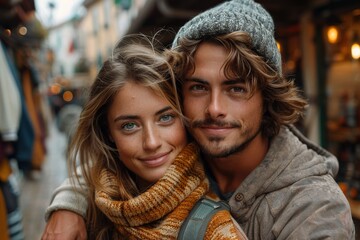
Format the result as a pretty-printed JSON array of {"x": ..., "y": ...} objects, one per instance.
[{"x": 35, "y": 191}]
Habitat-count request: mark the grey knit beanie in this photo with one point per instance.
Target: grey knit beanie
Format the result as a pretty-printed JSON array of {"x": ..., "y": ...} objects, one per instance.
[{"x": 236, "y": 15}]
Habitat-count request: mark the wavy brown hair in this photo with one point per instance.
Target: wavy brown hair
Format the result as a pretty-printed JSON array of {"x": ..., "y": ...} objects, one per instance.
[
  {"x": 136, "y": 59},
  {"x": 283, "y": 102}
]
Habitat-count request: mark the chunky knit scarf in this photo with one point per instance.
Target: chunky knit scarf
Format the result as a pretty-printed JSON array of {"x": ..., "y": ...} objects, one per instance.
[{"x": 159, "y": 212}]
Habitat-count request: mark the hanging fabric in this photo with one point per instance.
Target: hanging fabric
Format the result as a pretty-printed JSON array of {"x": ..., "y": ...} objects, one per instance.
[
  {"x": 4, "y": 234},
  {"x": 10, "y": 116},
  {"x": 30, "y": 94},
  {"x": 25, "y": 141},
  {"x": 14, "y": 215},
  {"x": 10, "y": 102}
]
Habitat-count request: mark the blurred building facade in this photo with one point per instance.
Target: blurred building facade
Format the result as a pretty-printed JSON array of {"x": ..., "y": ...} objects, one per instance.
[{"x": 299, "y": 30}]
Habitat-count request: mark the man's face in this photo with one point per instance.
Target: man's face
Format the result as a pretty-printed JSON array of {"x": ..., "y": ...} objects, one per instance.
[{"x": 223, "y": 119}]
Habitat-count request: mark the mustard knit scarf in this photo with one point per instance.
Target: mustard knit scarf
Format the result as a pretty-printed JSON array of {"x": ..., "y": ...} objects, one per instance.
[{"x": 159, "y": 212}]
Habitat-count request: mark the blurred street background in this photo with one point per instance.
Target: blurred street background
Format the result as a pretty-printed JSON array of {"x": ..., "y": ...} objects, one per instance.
[
  {"x": 51, "y": 51},
  {"x": 36, "y": 190}
]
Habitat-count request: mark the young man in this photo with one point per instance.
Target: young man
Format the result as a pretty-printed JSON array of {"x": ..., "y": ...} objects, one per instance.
[{"x": 279, "y": 185}]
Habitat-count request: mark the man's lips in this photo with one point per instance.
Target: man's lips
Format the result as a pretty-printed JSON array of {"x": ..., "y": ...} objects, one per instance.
[
  {"x": 212, "y": 129},
  {"x": 216, "y": 126}
]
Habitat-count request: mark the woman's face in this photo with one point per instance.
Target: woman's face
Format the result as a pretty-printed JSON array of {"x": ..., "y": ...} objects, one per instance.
[{"x": 147, "y": 132}]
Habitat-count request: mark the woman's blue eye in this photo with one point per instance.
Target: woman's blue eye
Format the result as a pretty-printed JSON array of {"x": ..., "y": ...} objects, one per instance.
[
  {"x": 128, "y": 126},
  {"x": 166, "y": 118}
]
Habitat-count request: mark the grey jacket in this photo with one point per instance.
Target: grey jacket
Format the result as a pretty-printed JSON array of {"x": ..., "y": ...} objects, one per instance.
[{"x": 290, "y": 195}]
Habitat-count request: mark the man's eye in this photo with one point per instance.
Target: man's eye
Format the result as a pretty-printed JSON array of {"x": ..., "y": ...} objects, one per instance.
[
  {"x": 197, "y": 88},
  {"x": 238, "y": 89},
  {"x": 128, "y": 126},
  {"x": 167, "y": 118}
]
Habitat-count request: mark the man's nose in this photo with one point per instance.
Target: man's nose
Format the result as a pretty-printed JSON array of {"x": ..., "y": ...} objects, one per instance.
[{"x": 217, "y": 106}]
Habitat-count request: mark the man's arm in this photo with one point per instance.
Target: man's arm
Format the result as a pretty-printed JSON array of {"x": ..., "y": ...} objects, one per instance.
[
  {"x": 64, "y": 224},
  {"x": 66, "y": 213},
  {"x": 69, "y": 196}
]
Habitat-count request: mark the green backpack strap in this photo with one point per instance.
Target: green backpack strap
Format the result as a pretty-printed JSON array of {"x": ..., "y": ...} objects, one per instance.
[{"x": 195, "y": 225}]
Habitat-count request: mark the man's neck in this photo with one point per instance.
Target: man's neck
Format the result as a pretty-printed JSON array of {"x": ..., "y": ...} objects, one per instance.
[{"x": 229, "y": 172}]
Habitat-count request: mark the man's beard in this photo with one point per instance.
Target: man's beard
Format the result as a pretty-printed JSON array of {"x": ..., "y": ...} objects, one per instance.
[{"x": 229, "y": 150}]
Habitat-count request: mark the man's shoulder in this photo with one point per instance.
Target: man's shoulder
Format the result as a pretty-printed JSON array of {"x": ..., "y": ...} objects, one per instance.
[
  {"x": 310, "y": 205},
  {"x": 306, "y": 187},
  {"x": 308, "y": 194}
]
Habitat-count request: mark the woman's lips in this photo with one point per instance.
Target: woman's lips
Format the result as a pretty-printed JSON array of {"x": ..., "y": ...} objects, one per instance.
[{"x": 155, "y": 161}]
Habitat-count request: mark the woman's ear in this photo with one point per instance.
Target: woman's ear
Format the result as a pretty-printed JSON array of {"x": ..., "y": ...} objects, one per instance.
[{"x": 111, "y": 138}]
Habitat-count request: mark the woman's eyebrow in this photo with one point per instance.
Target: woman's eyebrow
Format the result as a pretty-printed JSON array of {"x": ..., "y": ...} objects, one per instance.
[
  {"x": 125, "y": 117},
  {"x": 167, "y": 108},
  {"x": 134, "y": 117}
]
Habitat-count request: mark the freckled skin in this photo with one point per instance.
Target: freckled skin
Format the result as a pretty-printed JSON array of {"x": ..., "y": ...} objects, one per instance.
[{"x": 148, "y": 138}]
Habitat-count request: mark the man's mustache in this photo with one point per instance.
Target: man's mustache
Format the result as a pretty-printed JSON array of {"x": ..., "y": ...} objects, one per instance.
[{"x": 213, "y": 122}]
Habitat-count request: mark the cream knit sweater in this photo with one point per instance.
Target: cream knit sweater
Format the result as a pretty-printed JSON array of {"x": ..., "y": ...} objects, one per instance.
[{"x": 159, "y": 212}]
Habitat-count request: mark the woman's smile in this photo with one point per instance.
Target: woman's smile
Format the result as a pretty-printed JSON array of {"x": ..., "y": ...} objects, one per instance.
[{"x": 156, "y": 160}]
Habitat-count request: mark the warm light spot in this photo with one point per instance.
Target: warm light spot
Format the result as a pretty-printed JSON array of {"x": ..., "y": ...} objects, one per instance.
[
  {"x": 278, "y": 46},
  {"x": 68, "y": 96},
  {"x": 55, "y": 89},
  {"x": 7, "y": 32},
  {"x": 332, "y": 34},
  {"x": 355, "y": 51},
  {"x": 22, "y": 30}
]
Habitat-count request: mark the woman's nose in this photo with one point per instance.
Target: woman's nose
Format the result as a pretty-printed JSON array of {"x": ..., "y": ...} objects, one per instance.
[{"x": 151, "y": 138}]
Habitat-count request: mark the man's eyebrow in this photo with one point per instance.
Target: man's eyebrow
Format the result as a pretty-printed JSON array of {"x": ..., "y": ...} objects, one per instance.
[
  {"x": 233, "y": 81},
  {"x": 134, "y": 117},
  {"x": 197, "y": 80},
  {"x": 225, "y": 82}
]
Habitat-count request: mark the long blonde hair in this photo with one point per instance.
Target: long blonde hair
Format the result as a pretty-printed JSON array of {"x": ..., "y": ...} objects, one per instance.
[
  {"x": 283, "y": 103},
  {"x": 135, "y": 58}
]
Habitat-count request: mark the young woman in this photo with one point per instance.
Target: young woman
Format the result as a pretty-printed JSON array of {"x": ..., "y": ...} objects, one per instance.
[{"x": 141, "y": 175}]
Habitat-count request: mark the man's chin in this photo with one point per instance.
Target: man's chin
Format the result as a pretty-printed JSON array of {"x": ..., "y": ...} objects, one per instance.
[{"x": 216, "y": 151}]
